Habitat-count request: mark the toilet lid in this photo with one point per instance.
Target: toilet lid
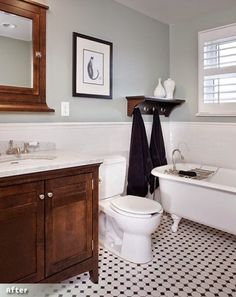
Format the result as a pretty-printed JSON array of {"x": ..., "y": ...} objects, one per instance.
[{"x": 136, "y": 205}]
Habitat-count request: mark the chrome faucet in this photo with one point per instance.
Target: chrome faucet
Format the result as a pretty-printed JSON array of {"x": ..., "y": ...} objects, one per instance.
[
  {"x": 173, "y": 159},
  {"x": 13, "y": 150}
]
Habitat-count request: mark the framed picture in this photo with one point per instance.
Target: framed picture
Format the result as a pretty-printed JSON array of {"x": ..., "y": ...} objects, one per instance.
[{"x": 92, "y": 67}]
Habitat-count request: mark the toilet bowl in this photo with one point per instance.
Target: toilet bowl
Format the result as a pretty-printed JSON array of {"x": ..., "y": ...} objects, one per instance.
[{"x": 126, "y": 223}]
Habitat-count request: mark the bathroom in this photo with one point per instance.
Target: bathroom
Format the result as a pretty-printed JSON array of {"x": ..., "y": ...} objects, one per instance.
[{"x": 151, "y": 40}]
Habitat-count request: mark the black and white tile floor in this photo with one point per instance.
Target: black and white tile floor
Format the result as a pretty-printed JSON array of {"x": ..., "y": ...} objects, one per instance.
[{"x": 197, "y": 261}]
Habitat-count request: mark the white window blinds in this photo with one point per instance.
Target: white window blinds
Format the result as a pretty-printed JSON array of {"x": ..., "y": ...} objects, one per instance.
[{"x": 217, "y": 69}]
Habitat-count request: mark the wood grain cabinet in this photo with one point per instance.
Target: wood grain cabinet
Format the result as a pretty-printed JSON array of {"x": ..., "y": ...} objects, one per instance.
[
  {"x": 49, "y": 225},
  {"x": 21, "y": 233}
]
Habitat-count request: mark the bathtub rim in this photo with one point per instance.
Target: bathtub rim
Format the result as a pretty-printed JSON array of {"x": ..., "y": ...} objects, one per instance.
[{"x": 159, "y": 172}]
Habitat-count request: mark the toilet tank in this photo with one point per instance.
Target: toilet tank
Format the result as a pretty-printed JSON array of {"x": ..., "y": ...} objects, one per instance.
[{"x": 112, "y": 174}]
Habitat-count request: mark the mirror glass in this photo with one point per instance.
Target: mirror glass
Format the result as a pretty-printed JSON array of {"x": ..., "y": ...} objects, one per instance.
[{"x": 16, "y": 51}]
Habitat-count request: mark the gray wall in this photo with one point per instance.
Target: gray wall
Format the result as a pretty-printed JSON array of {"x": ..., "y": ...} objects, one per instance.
[
  {"x": 15, "y": 62},
  {"x": 184, "y": 62},
  {"x": 141, "y": 55}
]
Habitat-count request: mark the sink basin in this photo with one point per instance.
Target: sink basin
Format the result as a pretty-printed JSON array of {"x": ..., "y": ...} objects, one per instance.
[{"x": 26, "y": 159}]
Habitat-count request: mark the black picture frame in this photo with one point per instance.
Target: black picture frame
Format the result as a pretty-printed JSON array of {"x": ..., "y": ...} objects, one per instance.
[{"x": 92, "y": 67}]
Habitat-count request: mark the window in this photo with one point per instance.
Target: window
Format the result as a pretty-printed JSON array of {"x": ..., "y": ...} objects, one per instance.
[{"x": 217, "y": 71}]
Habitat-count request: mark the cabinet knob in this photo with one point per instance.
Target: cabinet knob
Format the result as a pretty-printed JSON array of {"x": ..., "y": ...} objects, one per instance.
[
  {"x": 50, "y": 194},
  {"x": 41, "y": 196}
]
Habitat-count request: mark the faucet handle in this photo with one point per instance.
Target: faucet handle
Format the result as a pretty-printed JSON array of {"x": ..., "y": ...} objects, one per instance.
[
  {"x": 11, "y": 143},
  {"x": 9, "y": 150},
  {"x": 26, "y": 148}
]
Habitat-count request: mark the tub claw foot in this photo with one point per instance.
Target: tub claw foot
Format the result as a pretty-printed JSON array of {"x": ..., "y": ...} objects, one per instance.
[{"x": 176, "y": 219}]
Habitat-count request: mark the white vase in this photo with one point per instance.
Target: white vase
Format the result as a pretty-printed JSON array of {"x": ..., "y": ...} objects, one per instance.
[
  {"x": 169, "y": 85},
  {"x": 160, "y": 91}
]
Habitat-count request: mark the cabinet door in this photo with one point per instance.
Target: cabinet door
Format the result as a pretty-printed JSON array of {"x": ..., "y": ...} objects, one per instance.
[
  {"x": 21, "y": 233},
  {"x": 68, "y": 221}
]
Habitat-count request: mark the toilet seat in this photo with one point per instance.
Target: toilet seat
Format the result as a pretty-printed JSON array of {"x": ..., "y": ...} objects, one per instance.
[
  {"x": 134, "y": 206},
  {"x": 129, "y": 214}
]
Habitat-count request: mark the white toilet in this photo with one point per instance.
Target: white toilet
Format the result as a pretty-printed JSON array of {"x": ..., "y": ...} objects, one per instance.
[{"x": 126, "y": 222}]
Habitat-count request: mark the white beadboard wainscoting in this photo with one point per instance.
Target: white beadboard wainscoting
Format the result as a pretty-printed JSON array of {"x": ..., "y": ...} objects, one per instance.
[{"x": 208, "y": 143}]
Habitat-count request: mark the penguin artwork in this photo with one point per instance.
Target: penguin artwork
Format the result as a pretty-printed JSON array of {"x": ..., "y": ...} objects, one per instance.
[{"x": 91, "y": 71}]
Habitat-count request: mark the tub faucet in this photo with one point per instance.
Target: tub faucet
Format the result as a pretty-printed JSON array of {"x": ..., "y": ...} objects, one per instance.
[{"x": 173, "y": 159}]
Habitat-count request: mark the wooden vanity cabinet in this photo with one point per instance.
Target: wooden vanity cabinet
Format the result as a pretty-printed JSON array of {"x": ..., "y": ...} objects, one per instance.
[
  {"x": 68, "y": 221},
  {"x": 21, "y": 233},
  {"x": 49, "y": 225}
]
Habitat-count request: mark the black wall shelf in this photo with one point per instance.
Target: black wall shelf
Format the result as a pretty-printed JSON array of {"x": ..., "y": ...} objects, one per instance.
[{"x": 148, "y": 104}]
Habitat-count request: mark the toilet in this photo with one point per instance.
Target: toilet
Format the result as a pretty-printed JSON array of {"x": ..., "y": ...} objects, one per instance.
[{"x": 126, "y": 223}]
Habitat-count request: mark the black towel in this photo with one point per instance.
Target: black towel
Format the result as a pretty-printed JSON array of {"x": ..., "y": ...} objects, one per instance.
[
  {"x": 157, "y": 149},
  {"x": 140, "y": 164}
]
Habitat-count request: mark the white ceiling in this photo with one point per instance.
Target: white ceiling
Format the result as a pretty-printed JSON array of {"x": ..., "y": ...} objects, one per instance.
[
  {"x": 173, "y": 11},
  {"x": 23, "y": 30}
]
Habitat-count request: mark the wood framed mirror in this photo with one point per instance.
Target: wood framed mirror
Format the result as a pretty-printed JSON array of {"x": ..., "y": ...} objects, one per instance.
[{"x": 23, "y": 56}]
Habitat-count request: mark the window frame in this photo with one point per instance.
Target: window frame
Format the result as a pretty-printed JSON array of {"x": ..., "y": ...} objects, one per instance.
[{"x": 211, "y": 109}]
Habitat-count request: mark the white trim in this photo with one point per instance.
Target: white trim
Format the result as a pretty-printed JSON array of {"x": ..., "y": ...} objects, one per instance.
[
  {"x": 90, "y": 124},
  {"x": 211, "y": 109},
  {"x": 208, "y": 114},
  {"x": 202, "y": 124},
  {"x": 62, "y": 125},
  {"x": 67, "y": 124}
]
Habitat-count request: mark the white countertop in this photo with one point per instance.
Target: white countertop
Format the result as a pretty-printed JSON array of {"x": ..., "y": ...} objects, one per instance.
[{"x": 44, "y": 161}]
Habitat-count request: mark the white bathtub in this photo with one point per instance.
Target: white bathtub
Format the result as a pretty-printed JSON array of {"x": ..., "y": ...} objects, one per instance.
[{"x": 211, "y": 201}]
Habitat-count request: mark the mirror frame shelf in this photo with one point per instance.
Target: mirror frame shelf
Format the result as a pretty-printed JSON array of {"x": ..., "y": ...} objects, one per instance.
[{"x": 25, "y": 99}]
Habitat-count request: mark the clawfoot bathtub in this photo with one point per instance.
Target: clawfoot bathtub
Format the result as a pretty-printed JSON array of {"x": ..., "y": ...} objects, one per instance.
[{"x": 211, "y": 201}]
